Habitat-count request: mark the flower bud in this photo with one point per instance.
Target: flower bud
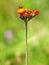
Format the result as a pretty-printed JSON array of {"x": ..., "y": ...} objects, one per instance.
[
  {"x": 25, "y": 15},
  {"x": 36, "y": 12},
  {"x": 20, "y": 7},
  {"x": 31, "y": 14}
]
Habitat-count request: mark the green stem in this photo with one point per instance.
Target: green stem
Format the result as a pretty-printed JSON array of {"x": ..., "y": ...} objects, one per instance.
[{"x": 26, "y": 44}]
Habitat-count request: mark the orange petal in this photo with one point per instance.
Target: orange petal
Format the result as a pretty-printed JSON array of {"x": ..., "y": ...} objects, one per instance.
[{"x": 21, "y": 10}]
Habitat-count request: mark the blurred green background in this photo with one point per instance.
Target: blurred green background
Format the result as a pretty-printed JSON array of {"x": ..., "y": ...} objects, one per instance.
[{"x": 12, "y": 49}]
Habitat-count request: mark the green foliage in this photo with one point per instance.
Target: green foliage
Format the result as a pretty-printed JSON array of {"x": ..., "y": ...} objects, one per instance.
[{"x": 38, "y": 33}]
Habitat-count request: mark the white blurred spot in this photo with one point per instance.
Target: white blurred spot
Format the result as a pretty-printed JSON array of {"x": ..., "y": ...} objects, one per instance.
[
  {"x": 8, "y": 34},
  {"x": 35, "y": 39},
  {"x": 17, "y": 53}
]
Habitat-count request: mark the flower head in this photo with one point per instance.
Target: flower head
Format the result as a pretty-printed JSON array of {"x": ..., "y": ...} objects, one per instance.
[{"x": 27, "y": 14}]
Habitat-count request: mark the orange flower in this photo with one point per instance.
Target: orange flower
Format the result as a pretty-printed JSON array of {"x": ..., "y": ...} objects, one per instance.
[
  {"x": 25, "y": 15},
  {"x": 21, "y": 15},
  {"x": 30, "y": 11},
  {"x": 31, "y": 14},
  {"x": 21, "y": 10},
  {"x": 36, "y": 12}
]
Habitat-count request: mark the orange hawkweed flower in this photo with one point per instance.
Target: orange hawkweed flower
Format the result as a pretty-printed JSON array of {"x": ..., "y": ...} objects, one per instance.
[
  {"x": 25, "y": 15},
  {"x": 36, "y": 12},
  {"x": 21, "y": 10},
  {"x": 30, "y": 11},
  {"x": 21, "y": 15},
  {"x": 31, "y": 14}
]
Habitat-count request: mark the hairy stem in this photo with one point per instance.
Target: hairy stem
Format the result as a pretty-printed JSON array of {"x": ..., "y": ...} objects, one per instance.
[{"x": 26, "y": 44}]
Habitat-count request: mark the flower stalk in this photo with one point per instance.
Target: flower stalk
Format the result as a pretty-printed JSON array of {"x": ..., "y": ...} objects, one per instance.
[
  {"x": 26, "y": 45},
  {"x": 26, "y": 15}
]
